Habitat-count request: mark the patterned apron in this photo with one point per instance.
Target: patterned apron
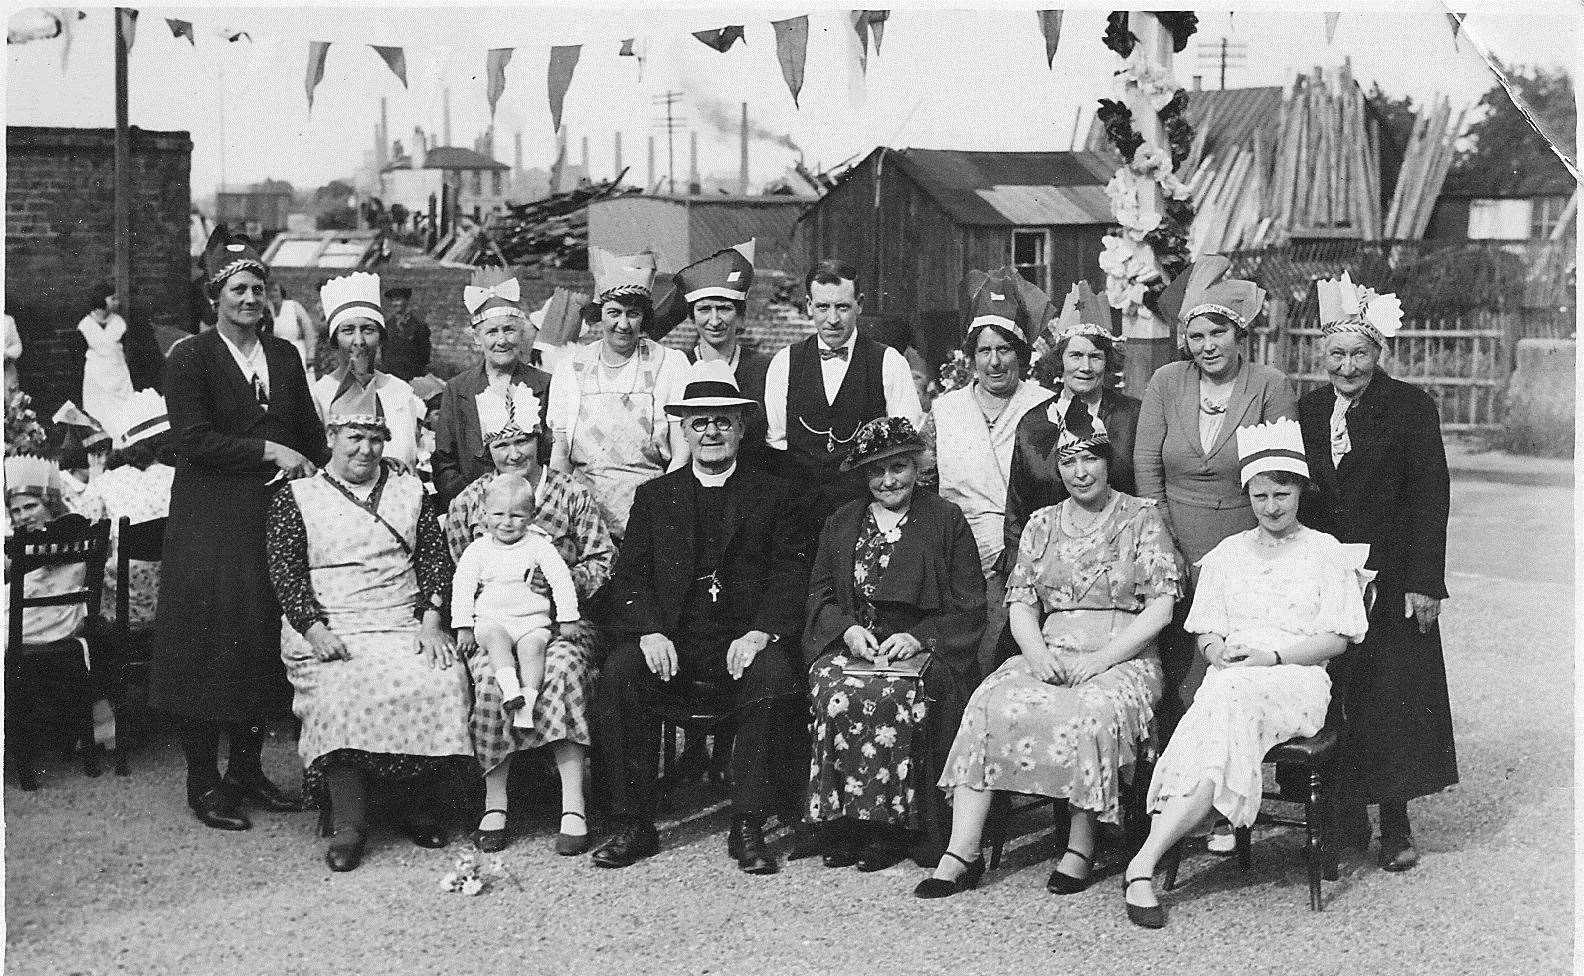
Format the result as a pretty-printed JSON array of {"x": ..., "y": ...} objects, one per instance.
[{"x": 615, "y": 446}]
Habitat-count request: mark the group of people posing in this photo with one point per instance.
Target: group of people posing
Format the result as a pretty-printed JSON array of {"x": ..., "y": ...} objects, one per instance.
[{"x": 1041, "y": 586}]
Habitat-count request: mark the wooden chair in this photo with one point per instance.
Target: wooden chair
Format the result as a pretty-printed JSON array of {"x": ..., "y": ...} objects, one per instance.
[
  {"x": 707, "y": 717},
  {"x": 40, "y": 677},
  {"x": 144, "y": 542},
  {"x": 1135, "y": 820}
]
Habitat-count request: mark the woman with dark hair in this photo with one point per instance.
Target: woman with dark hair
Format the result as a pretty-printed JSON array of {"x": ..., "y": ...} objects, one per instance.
[
  {"x": 107, "y": 383},
  {"x": 895, "y": 612},
  {"x": 242, "y": 420},
  {"x": 1381, "y": 471},
  {"x": 1070, "y": 716},
  {"x": 1273, "y": 604},
  {"x": 608, "y": 398}
]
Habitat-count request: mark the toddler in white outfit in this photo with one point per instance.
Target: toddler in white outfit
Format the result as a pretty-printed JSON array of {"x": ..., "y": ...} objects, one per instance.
[{"x": 492, "y": 604}]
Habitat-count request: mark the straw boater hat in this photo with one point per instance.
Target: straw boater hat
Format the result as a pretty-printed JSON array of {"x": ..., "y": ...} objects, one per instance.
[
  {"x": 882, "y": 438},
  {"x": 622, "y": 276},
  {"x": 493, "y": 292},
  {"x": 142, "y": 416},
  {"x": 355, "y": 404},
  {"x": 507, "y": 412},
  {"x": 353, "y": 296},
  {"x": 1080, "y": 432},
  {"x": 711, "y": 386},
  {"x": 1346, "y": 307},
  {"x": 1083, "y": 313},
  {"x": 1276, "y": 446},
  {"x": 226, "y": 253},
  {"x": 994, "y": 298}
]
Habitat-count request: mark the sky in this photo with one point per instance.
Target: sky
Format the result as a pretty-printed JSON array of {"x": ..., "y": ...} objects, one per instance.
[{"x": 943, "y": 78}]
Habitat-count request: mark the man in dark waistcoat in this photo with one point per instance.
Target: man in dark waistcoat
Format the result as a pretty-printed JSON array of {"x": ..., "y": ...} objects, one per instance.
[
  {"x": 818, "y": 392},
  {"x": 705, "y": 605}
]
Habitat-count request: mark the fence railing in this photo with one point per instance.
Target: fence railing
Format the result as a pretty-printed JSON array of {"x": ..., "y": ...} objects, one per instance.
[{"x": 1464, "y": 363}]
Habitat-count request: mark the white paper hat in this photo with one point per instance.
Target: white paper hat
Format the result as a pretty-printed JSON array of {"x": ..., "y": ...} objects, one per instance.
[{"x": 353, "y": 296}]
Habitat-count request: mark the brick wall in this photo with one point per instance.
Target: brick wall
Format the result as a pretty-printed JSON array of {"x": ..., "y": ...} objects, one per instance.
[{"x": 60, "y": 243}]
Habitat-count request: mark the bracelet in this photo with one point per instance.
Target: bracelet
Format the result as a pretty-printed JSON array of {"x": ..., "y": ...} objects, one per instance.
[{"x": 1278, "y": 656}]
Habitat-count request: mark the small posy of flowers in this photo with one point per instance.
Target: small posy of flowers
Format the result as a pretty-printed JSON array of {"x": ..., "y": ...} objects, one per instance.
[
  {"x": 471, "y": 876},
  {"x": 956, "y": 372},
  {"x": 23, "y": 432}
]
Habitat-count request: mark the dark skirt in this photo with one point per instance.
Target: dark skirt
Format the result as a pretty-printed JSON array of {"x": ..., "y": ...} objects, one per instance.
[
  {"x": 1398, "y": 740},
  {"x": 217, "y": 628}
]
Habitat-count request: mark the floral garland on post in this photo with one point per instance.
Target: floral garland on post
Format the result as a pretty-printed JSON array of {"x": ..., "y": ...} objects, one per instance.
[{"x": 1152, "y": 247}]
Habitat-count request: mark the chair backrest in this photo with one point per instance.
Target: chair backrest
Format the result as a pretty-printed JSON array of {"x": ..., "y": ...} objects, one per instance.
[
  {"x": 143, "y": 541},
  {"x": 68, "y": 541},
  {"x": 1340, "y": 668}
]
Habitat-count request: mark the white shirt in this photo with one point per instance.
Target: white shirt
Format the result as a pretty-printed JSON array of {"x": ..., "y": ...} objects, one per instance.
[
  {"x": 901, "y": 396},
  {"x": 251, "y": 364},
  {"x": 713, "y": 480}
]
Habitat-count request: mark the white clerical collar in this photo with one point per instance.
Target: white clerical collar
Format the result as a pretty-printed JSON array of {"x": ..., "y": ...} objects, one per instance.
[{"x": 709, "y": 480}]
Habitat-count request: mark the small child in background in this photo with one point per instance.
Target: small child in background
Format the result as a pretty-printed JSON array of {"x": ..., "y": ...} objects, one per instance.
[{"x": 493, "y": 605}]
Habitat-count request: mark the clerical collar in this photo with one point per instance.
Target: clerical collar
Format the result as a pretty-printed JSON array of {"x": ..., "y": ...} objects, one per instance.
[{"x": 709, "y": 480}]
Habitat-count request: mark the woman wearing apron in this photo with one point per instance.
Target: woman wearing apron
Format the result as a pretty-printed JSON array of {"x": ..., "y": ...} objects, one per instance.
[{"x": 607, "y": 399}]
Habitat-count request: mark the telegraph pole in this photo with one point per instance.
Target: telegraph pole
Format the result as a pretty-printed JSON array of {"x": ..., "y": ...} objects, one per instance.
[
  {"x": 671, "y": 124},
  {"x": 1222, "y": 54}
]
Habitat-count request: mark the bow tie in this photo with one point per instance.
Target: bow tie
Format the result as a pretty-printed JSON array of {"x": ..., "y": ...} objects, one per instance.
[
  {"x": 473, "y": 296},
  {"x": 833, "y": 353}
]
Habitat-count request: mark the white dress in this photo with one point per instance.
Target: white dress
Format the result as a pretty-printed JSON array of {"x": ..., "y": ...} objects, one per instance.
[
  {"x": 1266, "y": 599},
  {"x": 107, "y": 384},
  {"x": 291, "y": 323}
]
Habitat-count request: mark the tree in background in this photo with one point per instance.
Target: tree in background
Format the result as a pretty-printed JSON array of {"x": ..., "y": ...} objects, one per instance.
[
  {"x": 331, "y": 209},
  {"x": 1503, "y": 143}
]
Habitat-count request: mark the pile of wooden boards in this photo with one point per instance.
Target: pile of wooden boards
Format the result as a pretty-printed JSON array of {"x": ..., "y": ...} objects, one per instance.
[
  {"x": 1424, "y": 170},
  {"x": 551, "y": 232},
  {"x": 1325, "y": 178},
  {"x": 1229, "y": 196}
]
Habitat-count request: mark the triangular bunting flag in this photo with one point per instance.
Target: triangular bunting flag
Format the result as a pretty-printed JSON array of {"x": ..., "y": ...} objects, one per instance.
[
  {"x": 232, "y": 35},
  {"x": 68, "y": 17},
  {"x": 394, "y": 59},
  {"x": 792, "y": 51},
  {"x": 182, "y": 28},
  {"x": 1330, "y": 25},
  {"x": 563, "y": 60},
  {"x": 128, "y": 25},
  {"x": 722, "y": 40},
  {"x": 316, "y": 65},
  {"x": 1050, "y": 26},
  {"x": 627, "y": 49},
  {"x": 495, "y": 74},
  {"x": 1457, "y": 25},
  {"x": 877, "y": 19}
]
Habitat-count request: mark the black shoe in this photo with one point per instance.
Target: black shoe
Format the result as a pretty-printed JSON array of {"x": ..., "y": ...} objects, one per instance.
[
  {"x": 216, "y": 807},
  {"x": 492, "y": 841},
  {"x": 884, "y": 850},
  {"x": 753, "y": 855},
  {"x": 806, "y": 841},
  {"x": 973, "y": 871},
  {"x": 346, "y": 848},
  {"x": 629, "y": 845},
  {"x": 425, "y": 831},
  {"x": 1397, "y": 852},
  {"x": 1066, "y": 884},
  {"x": 259, "y": 793},
  {"x": 569, "y": 844},
  {"x": 1147, "y": 917},
  {"x": 843, "y": 844}
]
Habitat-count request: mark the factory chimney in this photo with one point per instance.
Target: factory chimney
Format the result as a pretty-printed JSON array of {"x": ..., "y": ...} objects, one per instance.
[
  {"x": 445, "y": 117},
  {"x": 649, "y": 187},
  {"x": 742, "y": 172},
  {"x": 694, "y": 188},
  {"x": 617, "y": 167}
]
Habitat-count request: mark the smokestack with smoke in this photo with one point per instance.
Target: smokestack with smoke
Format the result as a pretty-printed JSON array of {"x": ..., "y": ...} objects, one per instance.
[{"x": 721, "y": 117}]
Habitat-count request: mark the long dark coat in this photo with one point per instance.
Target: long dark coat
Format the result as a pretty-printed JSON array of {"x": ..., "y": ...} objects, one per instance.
[
  {"x": 217, "y": 626},
  {"x": 459, "y": 458},
  {"x": 934, "y": 589},
  {"x": 1391, "y": 491}
]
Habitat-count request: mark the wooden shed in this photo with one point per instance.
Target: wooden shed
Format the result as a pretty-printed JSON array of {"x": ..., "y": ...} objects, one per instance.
[
  {"x": 683, "y": 229},
  {"x": 914, "y": 221}
]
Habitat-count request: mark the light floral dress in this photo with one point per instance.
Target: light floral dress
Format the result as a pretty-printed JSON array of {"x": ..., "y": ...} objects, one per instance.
[
  {"x": 1077, "y": 743},
  {"x": 1266, "y": 599}
]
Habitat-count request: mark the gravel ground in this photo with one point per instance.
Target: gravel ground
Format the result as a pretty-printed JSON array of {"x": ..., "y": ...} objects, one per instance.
[{"x": 113, "y": 876}]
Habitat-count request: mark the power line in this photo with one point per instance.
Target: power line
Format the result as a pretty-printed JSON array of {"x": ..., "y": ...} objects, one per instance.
[
  {"x": 1221, "y": 55},
  {"x": 671, "y": 123}
]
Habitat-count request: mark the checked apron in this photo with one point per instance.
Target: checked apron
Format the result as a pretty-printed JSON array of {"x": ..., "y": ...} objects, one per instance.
[{"x": 616, "y": 443}]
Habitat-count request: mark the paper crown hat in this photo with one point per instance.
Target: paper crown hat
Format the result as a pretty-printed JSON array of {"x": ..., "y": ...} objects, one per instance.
[
  {"x": 617, "y": 276},
  {"x": 355, "y": 404},
  {"x": 74, "y": 416},
  {"x": 492, "y": 292},
  {"x": 507, "y": 412},
  {"x": 1206, "y": 289},
  {"x": 1083, "y": 313},
  {"x": 1080, "y": 431},
  {"x": 1346, "y": 307},
  {"x": 142, "y": 416},
  {"x": 725, "y": 274},
  {"x": 353, "y": 296},
  {"x": 995, "y": 298},
  {"x": 226, "y": 253},
  {"x": 27, "y": 474},
  {"x": 1276, "y": 446},
  {"x": 711, "y": 384}
]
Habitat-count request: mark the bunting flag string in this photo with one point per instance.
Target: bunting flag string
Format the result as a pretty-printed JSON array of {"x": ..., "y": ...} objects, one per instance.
[
  {"x": 792, "y": 51},
  {"x": 395, "y": 59},
  {"x": 722, "y": 39},
  {"x": 317, "y": 50},
  {"x": 182, "y": 28},
  {"x": 495, "y": 74},
  {"x": 1331, "y": 25},
  {"x": 563, "y": 61},
  {"x": 1050, "y": 26}
]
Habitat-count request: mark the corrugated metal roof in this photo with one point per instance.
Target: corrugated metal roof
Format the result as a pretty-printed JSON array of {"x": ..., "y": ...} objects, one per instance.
[
  {"x": 1011, "y": 188},
  {"x": 681, "y": 230},
  {"x": 1233, "y": 116}
]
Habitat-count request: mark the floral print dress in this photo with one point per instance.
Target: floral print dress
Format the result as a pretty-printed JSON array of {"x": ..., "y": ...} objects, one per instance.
[
  {"x": 1077, "y": 743},
  {"x": 864, "y": 726}
]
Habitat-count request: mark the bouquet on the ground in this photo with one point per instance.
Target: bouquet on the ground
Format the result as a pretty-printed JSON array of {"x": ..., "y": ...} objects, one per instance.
[{"x": 471, "y": 877}]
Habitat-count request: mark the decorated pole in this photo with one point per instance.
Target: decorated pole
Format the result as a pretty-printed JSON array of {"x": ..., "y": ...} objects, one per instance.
[{"x": 1152, "y": 207}]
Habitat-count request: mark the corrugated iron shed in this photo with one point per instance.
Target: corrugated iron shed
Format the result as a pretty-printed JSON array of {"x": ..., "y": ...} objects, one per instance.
[
  {"x": 684, "y": 229},
  {"x": 984, "y": 189}
]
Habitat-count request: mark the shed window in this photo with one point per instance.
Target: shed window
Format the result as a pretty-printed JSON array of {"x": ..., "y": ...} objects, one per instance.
[
  {"x": 1501, "y": 220},
  {"x": 1544, "y": 212},
  {"x": 1031, "y": 256}
]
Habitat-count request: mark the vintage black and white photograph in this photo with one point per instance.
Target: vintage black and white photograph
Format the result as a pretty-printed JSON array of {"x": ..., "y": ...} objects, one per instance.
[{"x": 558, "y": 489}]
